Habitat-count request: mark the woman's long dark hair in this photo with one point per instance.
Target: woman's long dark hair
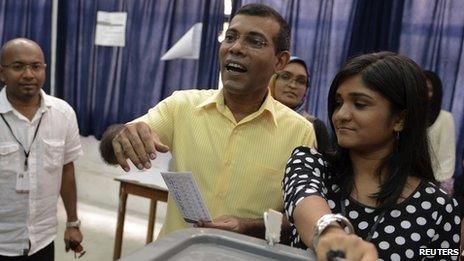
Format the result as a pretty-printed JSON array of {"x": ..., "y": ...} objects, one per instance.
[
  {"x": 435, "y": 102},
  {"x": 401, "y": 81}
]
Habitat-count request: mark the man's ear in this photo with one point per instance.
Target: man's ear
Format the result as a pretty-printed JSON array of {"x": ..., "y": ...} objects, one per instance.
[
  {"x": 282, "y": 60},
  {"x": 400, "y": 118}
]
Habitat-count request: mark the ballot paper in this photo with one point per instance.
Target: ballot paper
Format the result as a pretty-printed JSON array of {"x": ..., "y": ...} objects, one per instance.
[{"x": 184, "y": 190}]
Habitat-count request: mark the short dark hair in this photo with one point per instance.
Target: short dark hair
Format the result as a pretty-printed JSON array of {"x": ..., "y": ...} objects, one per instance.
[
  {"x": 401, "y": 81},
  {"x": 282, "y": 40},
  {"x": 435, "y": 102}
]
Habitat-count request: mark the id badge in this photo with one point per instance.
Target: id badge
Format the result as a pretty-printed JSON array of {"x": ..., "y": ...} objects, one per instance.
[{"x": 22, "y": 182}]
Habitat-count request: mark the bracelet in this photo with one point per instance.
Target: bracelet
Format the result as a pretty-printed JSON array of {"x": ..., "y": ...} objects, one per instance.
[
  {"x": 328, "y": 220},
  {"x": 73, "y": 224}
]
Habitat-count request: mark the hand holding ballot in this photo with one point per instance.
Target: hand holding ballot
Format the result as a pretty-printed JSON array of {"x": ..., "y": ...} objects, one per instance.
[
  {"x": 231, "y": 223},
  {"x": 184, "y": 190}
]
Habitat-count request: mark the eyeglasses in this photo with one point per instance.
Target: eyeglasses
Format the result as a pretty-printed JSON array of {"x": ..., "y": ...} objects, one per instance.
[
  {"x": 250, "y": 40},
  {"x": 287, "y": 78},
  {"x": 21, "y": 67}
]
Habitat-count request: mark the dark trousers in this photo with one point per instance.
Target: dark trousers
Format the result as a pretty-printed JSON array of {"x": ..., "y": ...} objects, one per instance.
[{"x": 46, "y": 254}]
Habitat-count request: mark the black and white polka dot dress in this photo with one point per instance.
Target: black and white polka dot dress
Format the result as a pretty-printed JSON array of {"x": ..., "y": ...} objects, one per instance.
[{"x": 429, "y": 218}]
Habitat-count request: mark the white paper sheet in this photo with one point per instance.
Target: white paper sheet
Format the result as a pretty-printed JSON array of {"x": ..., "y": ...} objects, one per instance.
[
  {"x": 188, "y": 46},
  {"x": 184, "y": 190},
  {"x": 111, "y": 28}
]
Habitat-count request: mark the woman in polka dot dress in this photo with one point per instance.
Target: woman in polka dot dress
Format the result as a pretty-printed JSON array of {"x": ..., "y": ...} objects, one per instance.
[{"x": 380, "y": 176}]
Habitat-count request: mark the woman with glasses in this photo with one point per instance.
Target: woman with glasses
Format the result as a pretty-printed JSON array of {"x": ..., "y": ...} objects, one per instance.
[
  {"x": 290, "y": 87},
  {"x": 380, "y": 178}
]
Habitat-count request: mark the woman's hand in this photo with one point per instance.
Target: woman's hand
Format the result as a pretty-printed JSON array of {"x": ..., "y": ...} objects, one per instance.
[{"x": 336, "y": 239}]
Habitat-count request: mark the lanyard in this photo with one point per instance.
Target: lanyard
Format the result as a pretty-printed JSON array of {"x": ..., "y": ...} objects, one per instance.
[
  {"x": 373, "y": 228},
  {"x": 26, "y": 153}
]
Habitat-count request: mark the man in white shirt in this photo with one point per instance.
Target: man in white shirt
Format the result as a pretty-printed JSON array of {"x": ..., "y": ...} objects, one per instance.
[{"x": 39, "y": 140}]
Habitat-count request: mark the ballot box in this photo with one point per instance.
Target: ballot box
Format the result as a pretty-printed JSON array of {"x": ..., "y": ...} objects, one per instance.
[{"x": 214, "y": 244}]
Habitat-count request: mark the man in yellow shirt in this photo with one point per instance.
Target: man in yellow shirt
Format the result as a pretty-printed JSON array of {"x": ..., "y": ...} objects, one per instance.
[{"x": 236, "y": 140}]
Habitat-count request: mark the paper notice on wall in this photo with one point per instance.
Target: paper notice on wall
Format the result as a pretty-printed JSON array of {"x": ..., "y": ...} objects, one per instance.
[
  {"x": 111, "y": 28},
  {"x": 188, "y": 46},
  {"x": 184, "y": 190}
]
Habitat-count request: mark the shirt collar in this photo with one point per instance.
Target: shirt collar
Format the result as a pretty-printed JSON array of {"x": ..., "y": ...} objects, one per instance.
[
  {"x": 269, "y": 106},
  {"x": 217, "y": 99},
  {"x": 5, "y": 105},
  {"x": 45, "y": 102}
]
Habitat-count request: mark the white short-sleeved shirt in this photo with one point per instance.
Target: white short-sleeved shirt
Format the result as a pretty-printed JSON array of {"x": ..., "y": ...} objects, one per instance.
[
  {"x": 443, "y": 146},
  {"x": 32, "y": 217}
]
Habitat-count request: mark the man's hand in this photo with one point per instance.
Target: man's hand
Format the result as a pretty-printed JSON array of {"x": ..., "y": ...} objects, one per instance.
[
  {"x": 137, "y": 142},
  {"x": 247, "y": 226},
  {"x": 335, "y": 239},
  {"x": 73, "y": 239},
  {"x": 229, "y": 223}
]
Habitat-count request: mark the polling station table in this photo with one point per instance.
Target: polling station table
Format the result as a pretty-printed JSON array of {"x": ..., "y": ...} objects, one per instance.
[
  {"x": 148, "y": 184},
  {"x": 213, "y": 244}
]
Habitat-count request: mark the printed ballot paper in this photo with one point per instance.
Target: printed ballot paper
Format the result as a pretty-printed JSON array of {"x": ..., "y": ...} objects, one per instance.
[{"x": 184, "y": 190}]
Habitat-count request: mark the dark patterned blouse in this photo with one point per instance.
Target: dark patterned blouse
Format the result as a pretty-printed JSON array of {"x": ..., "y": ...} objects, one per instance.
[{"x": 428, "y": 218}]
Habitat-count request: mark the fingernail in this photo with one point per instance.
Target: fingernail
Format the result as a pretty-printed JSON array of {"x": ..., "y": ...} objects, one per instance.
[
  {"x": 126, "y": 169},
  {"x": 140, "y": 166},
  {"x": 147, "y": 165},
  {"x": 152, "y": 156}
]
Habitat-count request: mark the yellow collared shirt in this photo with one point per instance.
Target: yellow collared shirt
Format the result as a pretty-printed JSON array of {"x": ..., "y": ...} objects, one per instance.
[{"x": 238, "y": 166}]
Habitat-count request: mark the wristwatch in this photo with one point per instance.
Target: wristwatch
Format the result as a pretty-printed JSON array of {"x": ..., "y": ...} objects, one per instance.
[
  {"x": 73, "y": 224},
  {"x": 328, "y": 220}
]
